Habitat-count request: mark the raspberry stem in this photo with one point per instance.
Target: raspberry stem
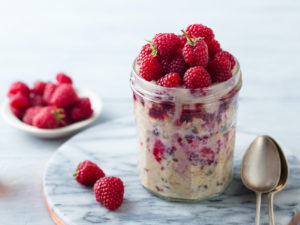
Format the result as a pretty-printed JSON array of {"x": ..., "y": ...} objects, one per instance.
[
  {"x": 153, "y": 48},
  {"x": 190, "y": 41},
  {"x": 59, "y": 116},
  {"x": 76, "y": 172}
]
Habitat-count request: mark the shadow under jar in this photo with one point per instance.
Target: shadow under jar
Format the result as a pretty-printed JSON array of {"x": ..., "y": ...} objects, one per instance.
[{"x": 186, "y": 137}]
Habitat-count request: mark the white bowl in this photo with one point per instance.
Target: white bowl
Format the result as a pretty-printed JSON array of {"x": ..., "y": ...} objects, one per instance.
[{"x": 59, "y": 132}]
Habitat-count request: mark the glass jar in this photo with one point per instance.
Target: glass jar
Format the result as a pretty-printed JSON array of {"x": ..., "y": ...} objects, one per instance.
[{"x": 186, "y": 137}]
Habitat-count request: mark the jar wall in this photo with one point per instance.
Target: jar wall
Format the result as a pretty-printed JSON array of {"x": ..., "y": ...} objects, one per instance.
[{"x": 185, "y": 148}]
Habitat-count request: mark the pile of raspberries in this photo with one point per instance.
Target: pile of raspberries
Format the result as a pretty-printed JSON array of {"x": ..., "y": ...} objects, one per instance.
[
  {"x": 48, "y": 105},
  {"x": 191, "y": 60}
]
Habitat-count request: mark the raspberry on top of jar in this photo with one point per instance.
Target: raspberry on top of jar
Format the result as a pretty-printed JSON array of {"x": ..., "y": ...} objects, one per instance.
[{"x": 193, "y": 59}]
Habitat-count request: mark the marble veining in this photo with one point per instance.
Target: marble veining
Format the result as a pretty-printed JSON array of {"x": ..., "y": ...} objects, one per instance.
[{"x": 113, "y": 146}]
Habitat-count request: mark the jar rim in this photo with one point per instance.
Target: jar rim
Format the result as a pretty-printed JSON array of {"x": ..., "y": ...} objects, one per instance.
[
  {"x": 216, "y": 90},
  {"x": 236, "y": 71}
]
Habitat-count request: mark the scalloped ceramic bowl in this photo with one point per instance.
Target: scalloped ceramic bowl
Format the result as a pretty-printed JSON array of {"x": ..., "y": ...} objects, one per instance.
[{"x": 59, "y": 132}]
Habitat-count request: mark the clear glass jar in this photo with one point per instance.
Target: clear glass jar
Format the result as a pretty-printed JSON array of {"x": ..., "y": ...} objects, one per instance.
[{"x": 186, "y": 137}]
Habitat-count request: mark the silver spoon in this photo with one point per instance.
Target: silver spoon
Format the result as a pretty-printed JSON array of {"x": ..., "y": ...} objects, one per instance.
[
  {"x": 282, "y": 181},
  {"x": 260, "y": 169}
]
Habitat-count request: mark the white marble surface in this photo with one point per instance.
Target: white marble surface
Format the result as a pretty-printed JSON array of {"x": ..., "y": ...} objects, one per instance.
[
  {"x": 113, "y": 146},
  {"x": 96, "y": 41}
]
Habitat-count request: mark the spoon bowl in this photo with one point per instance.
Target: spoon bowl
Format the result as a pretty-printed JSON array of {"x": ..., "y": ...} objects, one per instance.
[
  {"x": 284, "y": 168},
  {"x": 261, "y": 169},
  {"x": 282, "y": 180}
]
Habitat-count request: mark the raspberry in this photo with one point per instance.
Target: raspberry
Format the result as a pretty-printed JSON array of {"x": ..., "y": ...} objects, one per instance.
[
  {"x": 18, "y": 87},
  {"x": 165, "y": 65},
  {"x": 87, "y": 173},
  {"x": 200, "y": 31},
  {"x": 157, "y": 111},
  {"x": 109, "y": 191},
  {"x": 227, "y": 55},
  {"x": 63, "y": 78},
  {"x": 158, "y": 150},
  {"x": 19, "y": 101},
  {"x": 37, "y": 99},
  {"x": 195, "y": 52},
  {"x": 67, "y": 120},
  {"x": 213, "y": 48},
  {"x": 160, "y": 110},
  {"x": 146, "y": 50},
  {"x": 219, "y": 69},
  {"x": 64, "y": 96},
  {"x": 182, "y": 40},
  {"x": 39, "y": 87},
  {"x": 196, "y": 77},
  {"x": 81, "y": 110},
  {"x": 170, "y": 80},
  {"x": 48, "y": 92},
  {"x": 17, "y": 112},
  {"x": 166, "y": 44},
  {"x": 30, "y": 113},
  {"x": 49, "y": 117},
  {"x": 150, "y": 68},
  {"x": 207, "y": 156},
  {"x": 177, "y": 64}
]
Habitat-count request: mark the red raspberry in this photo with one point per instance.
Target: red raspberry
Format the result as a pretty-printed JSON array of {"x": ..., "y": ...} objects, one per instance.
[
  {"x": 219, "y": 69},
  {"x": 213, "y": 48},
  {"x": 182, "y": 40},
  {"x": 207, "y": 156},
  {"x": 64, "y": 96},
  {"x": 18, "y": 87},
  {"x": 196, "y": 77},
  {"x": 49, "y": 90},
  {"x": 81, "y": 110},
  {"x": 87, "y": 173},
  {"x": 170, "y": 80},
  {"x": 63, "y": 78},
  {"x": 39, "y": 87},
  {"x": 227, "y": 55},
  {"x": 158, "y": 150},
  {"x": 150, "y": 68},
  {"x": 67, "y": 120},
  {"x": 165, "y": 65},
  {"x": 109, "y": 191},
  {"x": 19, "y": 101},
  {"x": 49, "y": 117},
  {"x": 166, "y": 44},
  {"x": 177, "y": 64},
  {"x": 146, "y": 50},
  {"x": 157, "y": 111},
  {"x": 200, "y": 31},
  {"x": 30, "y": 113},
  {"x": 37, "y": 99},
  {"x": 17, "y": 112},
  {"x": 195, "y": 52}
]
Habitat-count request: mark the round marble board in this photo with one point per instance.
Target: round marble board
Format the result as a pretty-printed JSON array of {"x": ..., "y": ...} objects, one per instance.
[{"x": 113, "y": 146}]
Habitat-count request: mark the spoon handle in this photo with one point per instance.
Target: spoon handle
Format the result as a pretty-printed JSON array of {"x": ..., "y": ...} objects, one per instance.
[
  {"x": 271, "y": 210},
  {"x": 258, "y": 203}
]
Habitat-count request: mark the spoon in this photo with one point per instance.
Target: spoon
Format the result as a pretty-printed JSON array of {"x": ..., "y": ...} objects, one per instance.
[
  {"x": 260, "y": 169},
  {"x": 282, "y": 181}
]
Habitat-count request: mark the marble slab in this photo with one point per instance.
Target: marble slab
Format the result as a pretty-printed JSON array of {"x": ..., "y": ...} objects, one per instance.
[{"x": 113, "y": 146}]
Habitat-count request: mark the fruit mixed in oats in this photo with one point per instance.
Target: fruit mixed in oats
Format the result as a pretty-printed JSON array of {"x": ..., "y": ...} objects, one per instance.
[
  {"x": 48, "y": 105},
  {"x": 185, "y": 113}
]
